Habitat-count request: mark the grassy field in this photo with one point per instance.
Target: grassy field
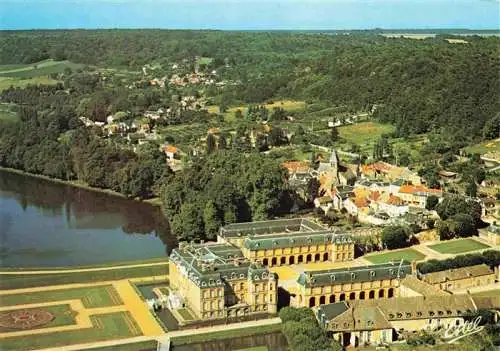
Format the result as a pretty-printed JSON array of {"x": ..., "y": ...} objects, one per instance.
[
  {"x": 288, "y": 105},
  {"x": 137, "y": 346},
  {"x": 63, "y": 314},
  {"x": 7, "y": 113},
  {"x": 105, "y": 327},
  {"x": 485, "y": 147},
  {"x": 92, "y": 297},
  {"x": 257, "y": 348},
  {"x": 25, "y": 281},
  {"x": 458, "y": 246},
  {"x": 37, "y": 69},
  {"x": 364, "y": 132},
  {"x": 226, "y": 334},
  {"x": 406, "y": 254},
  {"x": 7, "y": 82}
]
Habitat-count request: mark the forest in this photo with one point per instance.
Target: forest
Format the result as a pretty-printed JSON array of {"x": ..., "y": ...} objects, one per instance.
[{"x": 448, "y": 91}]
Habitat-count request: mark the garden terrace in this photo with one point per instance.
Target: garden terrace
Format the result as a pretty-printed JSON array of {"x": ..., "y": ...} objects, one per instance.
[{"x": 355, "y": 274}]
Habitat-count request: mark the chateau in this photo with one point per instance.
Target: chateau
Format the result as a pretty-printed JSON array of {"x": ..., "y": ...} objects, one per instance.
[
  {"x": 354, "y": 283},
  {"x": 288, "y": 242},
  {"x": 217, "y": 281}
]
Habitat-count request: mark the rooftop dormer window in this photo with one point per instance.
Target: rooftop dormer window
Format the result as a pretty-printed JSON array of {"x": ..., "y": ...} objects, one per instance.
[{"x": 372, "y": 273}]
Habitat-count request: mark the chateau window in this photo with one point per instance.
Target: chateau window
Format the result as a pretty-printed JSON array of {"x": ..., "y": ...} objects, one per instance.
[
  {"x": 242, "y": 286},
  {"x": 372, "y": 273},
  {"x": 399, "y": 314},
  {"x": 332, "y": 277},
  {"x": 419, "y": 314},
  {"x": 242, "y": 275},
  {"x": 353, "y": 275},
  {"x": 408, "y": 315},
  {"x": 448, "y": 312},
  {"x": 203, "y": 284},
  {"x": 440, "y": 313},
  {"x": 391, "y": 316},
  {"x": 431, "y": 313}
]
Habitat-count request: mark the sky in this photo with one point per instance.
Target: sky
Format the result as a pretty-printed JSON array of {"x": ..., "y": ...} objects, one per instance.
[{"x": 250, "y": 15}]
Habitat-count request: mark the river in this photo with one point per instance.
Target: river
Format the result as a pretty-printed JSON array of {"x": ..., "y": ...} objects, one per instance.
[{"x": 43, "y": 223}]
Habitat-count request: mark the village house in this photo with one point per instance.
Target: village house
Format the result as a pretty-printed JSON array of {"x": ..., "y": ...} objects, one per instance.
[
  {"x": 171, "y": 152},
  {"x": 417, "y": 195},
  {"x": 460, "y": 278},
  {"x": 390, "y": 172},
  {"x": 379, "y": 322},
  {"x": 491, "y": 234}
]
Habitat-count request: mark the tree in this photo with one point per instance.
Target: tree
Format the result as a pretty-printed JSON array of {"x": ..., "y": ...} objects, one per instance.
[
  {"x": 238, "y": 114},
  {"x": 454, "y": 204},
  {"x": 277, "y": 137},
  {"x": 471, "y": 189},
  {"x": 312, "y": 189},
  {"x": 188, "y": 223},
  {"x": 395, "y": 237},
  {"x": 431, "y": 202},
  {"x": 222, "y": 142},
  {"x": 211, "y": 143},
  {"x": 334, "y": 134},
  {"x": 211, "y": 220}
]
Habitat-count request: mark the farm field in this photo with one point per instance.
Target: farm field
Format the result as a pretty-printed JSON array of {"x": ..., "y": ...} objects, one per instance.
[
  {"x": 406, "y": 254},
  {"x": 458, "y": 246},
  {"x": 104, "y": 327},
  {"x": 485, "y": 147},
  {"x": 7, "y": 113},
  {"x": 288, "y": 105},
  {"x": 92, "y": 297},
  {"x": 145, "y": 345},
  {"x": 364, "y": 132},
  {"x": 41, "y": 68},
  {"x": 7, "y": 82}
]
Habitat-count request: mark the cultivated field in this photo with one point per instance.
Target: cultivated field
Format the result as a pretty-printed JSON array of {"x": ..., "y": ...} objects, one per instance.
[
  {"x": 405, "y": 254},
  {"x": 458, "y": 246},
  {"x": 7, "y": 113},
  {"x": 364, "y": 132},
  {"x": 42, "y": 68},
  {"x": 486, "y": 147}
]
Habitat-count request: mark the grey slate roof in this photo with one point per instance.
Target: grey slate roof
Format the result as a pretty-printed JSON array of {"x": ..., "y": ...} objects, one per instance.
[
  {"x": 295, "y": 239},
  {"x": 278, "y": 226},
  {"x": 210, "y": 265},
  {"x": 355, "y": 274}
]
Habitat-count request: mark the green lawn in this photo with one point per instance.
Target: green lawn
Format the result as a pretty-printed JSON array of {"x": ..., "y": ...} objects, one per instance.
[
  {"x": 487, "y": 293},
  {"x": 458, "y": 246},
  {"x": 63, "y": 314},
  {"x": 137, "y": 346},
  {"x": 226, "y": 334},
  {"x": 257, "y": 348},
  {"x": 105, "y": 327},
  {"x": 406, "y": 254},
  {"x": 36, "y": 69},
  {"x": 7, "y": 112},
  {"x": 25, "y": 281},
  {"x": 364, "y": 132},
  {"x": 96, "y": 296}
]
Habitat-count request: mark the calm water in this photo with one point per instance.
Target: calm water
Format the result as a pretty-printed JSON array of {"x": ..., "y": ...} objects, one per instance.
[{"x": 48, "y": 224}]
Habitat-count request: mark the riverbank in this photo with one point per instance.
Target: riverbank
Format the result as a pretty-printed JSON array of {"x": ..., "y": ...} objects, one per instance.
[{"x": 156, "y": 201}]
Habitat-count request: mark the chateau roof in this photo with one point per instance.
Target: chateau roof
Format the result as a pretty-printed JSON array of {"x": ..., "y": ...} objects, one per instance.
[
  {"x": 295, "y": 239},
  {"x": 209, "y": 265},
  {"x": 278, "y": 226},
  {"x": 419, "y": 190},
  {"x": 457, "y": 274},
  {"x": 355, "y": 274},
  {"x": 421, "y": 287},
  {"x": 378, "y": 314}
]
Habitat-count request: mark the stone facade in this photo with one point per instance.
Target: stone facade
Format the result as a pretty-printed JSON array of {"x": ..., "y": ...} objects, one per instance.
[
  {"x": 216, "y": 281},
  {"x": 356, "y": 283}
]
